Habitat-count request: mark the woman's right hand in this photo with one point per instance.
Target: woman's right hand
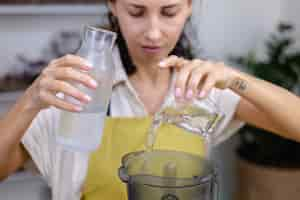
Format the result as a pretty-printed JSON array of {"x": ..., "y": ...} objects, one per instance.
[{"x": 56, "y": 78}]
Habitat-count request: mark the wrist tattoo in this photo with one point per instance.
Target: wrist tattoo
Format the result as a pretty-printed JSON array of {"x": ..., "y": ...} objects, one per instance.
[{"x": 239, "y": 84}]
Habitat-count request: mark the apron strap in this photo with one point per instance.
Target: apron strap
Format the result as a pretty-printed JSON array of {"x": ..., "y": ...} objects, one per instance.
[{"x": 108, "y": 110}]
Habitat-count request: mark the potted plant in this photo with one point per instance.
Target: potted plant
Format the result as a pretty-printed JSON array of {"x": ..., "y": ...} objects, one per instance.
[{"x": 263, "y": 156}]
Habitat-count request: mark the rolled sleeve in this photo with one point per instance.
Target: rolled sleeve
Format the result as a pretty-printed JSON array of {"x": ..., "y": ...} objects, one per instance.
[{"x": 39, "y": 142}]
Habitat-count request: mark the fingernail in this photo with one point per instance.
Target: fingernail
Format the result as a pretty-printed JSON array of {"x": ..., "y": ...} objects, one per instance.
[
  {"x": 88, "y": 64},
  {"x": 88, "y": 98},
  {"x": 162, "y": 63},
  {"x": 178, "y": 93},
  {"x": 189, "y": 94},
  {"x": 78, "y": 109},
  {"x": 202, "y": 94},
  {"x": 86, "y": 67},
  {"x": 93, "y": 83}
]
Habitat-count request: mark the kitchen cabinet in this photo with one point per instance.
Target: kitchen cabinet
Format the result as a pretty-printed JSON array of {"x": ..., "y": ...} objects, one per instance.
[
  {"x": 13, "y": 2},
  {"x": 30, "y": 2},
  {"x": 70, "y": 1}
]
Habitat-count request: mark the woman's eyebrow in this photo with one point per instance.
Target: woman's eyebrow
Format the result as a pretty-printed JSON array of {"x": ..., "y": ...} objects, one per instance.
[
  {"x": 171, "y": 6},
  {"x": 136, "y": 5}
]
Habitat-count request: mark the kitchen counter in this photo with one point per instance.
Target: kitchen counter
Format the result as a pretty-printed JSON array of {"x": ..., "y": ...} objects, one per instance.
[{"x": 25, "y": 186}]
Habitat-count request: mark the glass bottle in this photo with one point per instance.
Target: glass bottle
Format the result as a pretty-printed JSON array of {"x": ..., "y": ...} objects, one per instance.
[{"x": 82, "y": 131}]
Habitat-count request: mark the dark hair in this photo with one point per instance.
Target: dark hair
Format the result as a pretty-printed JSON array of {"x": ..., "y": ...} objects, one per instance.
[{"x": 181, "y": 49}]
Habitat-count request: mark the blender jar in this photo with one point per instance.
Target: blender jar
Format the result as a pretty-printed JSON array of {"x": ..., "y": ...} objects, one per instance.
[{"x": 168, "y": 175}]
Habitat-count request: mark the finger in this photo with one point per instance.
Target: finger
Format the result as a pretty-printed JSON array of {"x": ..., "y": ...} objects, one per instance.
[
  {"x": 51, "y": 99},
  {"x": 207, "y": 86},
  {"x": 71, "y": 74},
  {"x": 72, "y": 61},
  {"x": 173, "y": 61},
  {"x": 197, "y": 78},
  {"x": 181, "y": 82},
  {"x": 198, "y": 75},
  {"x": 57, "y": 86},
  {"x": 192, "y": 67}
]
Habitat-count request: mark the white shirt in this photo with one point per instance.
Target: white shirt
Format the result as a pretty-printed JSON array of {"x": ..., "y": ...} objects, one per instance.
[{"x": 39, "y": 139}]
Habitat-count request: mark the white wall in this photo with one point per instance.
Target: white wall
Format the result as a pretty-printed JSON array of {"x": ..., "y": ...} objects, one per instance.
[
  {"x": 30, "y": 34},
  {"x": 235, "y": 26},
  {"x": 290, "y": 12}
]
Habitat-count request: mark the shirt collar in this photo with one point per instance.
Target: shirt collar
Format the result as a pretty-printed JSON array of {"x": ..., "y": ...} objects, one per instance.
[
  {"x": 120, "y": 75},
  {"x": 119, "y": 71}
]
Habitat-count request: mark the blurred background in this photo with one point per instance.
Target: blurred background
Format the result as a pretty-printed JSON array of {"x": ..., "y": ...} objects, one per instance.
[{"x": 261, "y": 37}]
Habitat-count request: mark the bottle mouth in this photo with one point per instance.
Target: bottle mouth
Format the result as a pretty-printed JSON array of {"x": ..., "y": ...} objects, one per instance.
[{"x": 101, "y": 38}]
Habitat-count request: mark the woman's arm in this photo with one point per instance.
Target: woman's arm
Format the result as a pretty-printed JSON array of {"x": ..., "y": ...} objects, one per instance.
[
  {"x": 267, "y": 106},
  {"x": 12, "y": 128},
  {"x": 262, "y": 104},
  {"x": 40, "y": 95}
]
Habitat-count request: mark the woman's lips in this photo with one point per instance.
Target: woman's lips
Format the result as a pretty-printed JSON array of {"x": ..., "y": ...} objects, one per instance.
[{"x": 151, "y": 49}]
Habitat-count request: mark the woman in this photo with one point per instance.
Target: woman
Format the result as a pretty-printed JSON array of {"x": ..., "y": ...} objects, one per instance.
[{"x": 152, "y": 50}]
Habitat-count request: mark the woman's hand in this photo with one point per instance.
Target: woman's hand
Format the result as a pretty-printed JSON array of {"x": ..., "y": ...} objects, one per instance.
[
  {"x": 195, "y": 78},
  {"x": 56, "y": 78}
]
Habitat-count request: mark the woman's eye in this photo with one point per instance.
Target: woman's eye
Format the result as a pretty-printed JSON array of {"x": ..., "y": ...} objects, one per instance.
[
  {"x": 169, "y": 14},
  {"x": 136, "y": 13}
]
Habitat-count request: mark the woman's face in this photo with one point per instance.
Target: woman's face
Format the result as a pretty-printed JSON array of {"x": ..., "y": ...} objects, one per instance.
[{"x": 151, "y": 28}]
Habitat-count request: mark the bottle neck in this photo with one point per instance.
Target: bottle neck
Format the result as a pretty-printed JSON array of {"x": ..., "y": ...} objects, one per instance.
[{"x": 98, "y": 39}]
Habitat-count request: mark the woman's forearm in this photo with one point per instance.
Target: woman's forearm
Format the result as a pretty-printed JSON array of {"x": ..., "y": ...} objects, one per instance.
[
  {"x": 279, "y": 105},
  {"x": 13, "y": 126}
]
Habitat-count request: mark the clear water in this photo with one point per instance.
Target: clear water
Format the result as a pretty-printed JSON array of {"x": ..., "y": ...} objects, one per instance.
[
  {"x": 190, "y": 118},
  {"x": 81, "y": 131}
]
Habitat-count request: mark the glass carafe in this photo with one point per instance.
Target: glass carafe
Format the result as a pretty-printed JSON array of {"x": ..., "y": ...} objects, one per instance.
[
  {"x": 80, "y": 133},
  {"x": 96, "y": 48},
  {"x": 198, "y": 116}
]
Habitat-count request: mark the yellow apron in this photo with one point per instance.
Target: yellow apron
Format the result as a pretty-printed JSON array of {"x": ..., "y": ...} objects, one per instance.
[{"x": 124, "y": 135}]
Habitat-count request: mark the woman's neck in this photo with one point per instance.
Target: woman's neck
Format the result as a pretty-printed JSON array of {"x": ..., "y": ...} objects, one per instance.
[
  {"x": 152, "y": 75},
  {"x": 151, "y": 85}
]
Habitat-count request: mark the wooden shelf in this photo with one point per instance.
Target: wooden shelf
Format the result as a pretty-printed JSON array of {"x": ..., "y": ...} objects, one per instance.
[
  {"x": 53, "y": 9},
  {"x": 30, "y": 2}
]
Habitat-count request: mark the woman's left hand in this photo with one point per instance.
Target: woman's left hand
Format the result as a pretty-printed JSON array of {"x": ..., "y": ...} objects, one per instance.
[{"x": 196, "y": 78}]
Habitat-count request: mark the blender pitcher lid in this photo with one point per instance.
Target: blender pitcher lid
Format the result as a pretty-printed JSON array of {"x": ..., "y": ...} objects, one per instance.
[{"x": 163, "y": 168}]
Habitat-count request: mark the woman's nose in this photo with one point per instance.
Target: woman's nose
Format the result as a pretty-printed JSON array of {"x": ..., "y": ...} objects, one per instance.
[{"x": 153, "y": 30}]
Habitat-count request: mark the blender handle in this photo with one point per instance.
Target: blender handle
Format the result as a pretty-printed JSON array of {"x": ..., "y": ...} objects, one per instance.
[
  {"x": 123, "y": 175},
  {"x": 215, "y": 187}
]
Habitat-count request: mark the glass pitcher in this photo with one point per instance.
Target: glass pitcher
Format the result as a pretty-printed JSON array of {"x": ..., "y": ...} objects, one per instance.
[{"x": 199, "y": 116}]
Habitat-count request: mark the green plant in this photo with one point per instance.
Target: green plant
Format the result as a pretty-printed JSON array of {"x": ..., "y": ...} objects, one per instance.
[{"x": 281, "y": 68}]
